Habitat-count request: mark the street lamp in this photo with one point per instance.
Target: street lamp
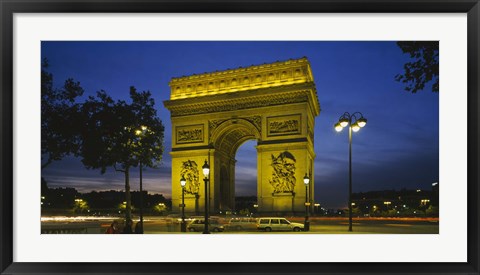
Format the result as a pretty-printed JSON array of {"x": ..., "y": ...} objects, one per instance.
[
  {"x": 183, "y": 182},
  {"x": 255, "y": 208},
  {"x": 306, "y": 181},
  {"x": 317, "y": 205},
  {"x": 140, "y": 133},
  {"x": 206, "y": 173},
  {"x": 355, "y": 121}
]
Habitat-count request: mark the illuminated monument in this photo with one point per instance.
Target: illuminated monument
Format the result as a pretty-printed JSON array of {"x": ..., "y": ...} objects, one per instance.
[{"x": 214, "y": 113}]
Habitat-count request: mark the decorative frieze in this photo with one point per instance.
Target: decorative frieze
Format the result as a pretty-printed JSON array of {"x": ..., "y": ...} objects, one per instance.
[
  {"x": 189, "y": 134},
  {"x": 284, "y": 125},
  {"x": 237, "y": 103}
]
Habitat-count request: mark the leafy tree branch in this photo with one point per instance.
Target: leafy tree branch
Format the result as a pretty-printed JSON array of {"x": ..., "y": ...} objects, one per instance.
[{"x": 424, "y": 67}]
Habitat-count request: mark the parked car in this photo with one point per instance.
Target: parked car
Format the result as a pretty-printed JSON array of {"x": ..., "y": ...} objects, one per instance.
[
  {"x": 242, "y": 224},
  {"x": 198, "y": 225},
  {"x": 278, "y": 224}
]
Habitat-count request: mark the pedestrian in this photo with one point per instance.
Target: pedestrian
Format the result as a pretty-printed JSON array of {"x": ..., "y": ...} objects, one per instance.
[
  {"x": 138, "y": 228},
  {"x": 113, "y": 228},
  {"x": 128, "y": 227}
]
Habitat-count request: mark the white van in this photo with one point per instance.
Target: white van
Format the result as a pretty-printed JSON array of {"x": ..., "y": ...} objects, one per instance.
[{"x": 278, "y": 224}]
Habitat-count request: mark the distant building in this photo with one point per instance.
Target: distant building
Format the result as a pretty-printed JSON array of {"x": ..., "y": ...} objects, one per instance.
[
  {"x": 396, "y": 203},
  {"x": 107, "y": 201}
]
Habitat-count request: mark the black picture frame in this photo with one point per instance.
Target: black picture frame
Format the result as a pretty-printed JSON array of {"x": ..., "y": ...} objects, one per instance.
[{"x": 10, "y": 7}]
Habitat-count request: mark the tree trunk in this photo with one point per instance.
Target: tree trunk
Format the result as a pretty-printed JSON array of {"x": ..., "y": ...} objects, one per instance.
[{"x": 128, "y": 208}]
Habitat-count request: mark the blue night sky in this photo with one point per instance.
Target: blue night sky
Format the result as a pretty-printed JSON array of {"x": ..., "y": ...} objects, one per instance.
[{"x": 397, "y": 149}]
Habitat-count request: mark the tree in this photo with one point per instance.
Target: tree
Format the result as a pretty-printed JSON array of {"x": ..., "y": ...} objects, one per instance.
[
  {"x": 424, "y": 65},
  {"x": 110, "y": 135},
  {"x": 59, "y": 112},
  {"x": 160, "y": 208},
  {"x": 80, "y": 206}
]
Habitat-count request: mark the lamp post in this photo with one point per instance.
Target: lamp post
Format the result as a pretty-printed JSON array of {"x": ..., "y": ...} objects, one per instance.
[
  {"x": 355, "y": 122},
  {"x": 306, "y": 226},
  {"x": 317, "y": 206},
  {"x": 140, "y": 133},
  {"x": 206, "y": 173},
  {"x": 183, "y": 226}
]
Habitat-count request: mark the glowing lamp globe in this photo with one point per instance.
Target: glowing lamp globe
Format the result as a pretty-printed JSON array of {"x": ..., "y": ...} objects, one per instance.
[
  {"x": 306, "y": 179},
  {"x": 343, "y": 122},
  {"x": 183, "y": 182},
  {"x": 362, "y": 122},
  {"x": 355, "y": 127},
  {"x": 338, "y": 127},
  {"x": 206, "y": 169}
]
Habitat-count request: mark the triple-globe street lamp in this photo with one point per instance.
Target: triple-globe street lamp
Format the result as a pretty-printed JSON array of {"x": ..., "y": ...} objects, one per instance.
[
  {"x": 183, "y": 182},
  {"x": 306, "y": 181},
  {"x": 355, "y": 122},
  {"x": 206, "y": 174}
]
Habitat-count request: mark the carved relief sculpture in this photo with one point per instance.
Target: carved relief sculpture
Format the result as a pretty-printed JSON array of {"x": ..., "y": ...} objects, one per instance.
[
  {"x": 190, "y": 134},
  {"x": 257, "y": 121},
  {"x": 189, "y": 171},
  {"x": 283, "y": 175},
  {"x": 283, "y": 125},
  {"x": 286, "y": 126}
]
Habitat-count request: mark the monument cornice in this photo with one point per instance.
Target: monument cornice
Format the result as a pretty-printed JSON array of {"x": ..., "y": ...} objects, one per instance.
[
  {"x": 249, "y": 99},
  {"x": 276, "y": 74},
  {"x": 240, "y": 70}
]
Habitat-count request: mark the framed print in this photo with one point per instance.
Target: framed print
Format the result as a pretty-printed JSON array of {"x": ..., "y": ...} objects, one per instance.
[{"x": 239, "y": 137}]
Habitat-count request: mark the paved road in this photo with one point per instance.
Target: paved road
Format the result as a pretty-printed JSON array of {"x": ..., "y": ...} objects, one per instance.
[{"x": 162, "y": 225}]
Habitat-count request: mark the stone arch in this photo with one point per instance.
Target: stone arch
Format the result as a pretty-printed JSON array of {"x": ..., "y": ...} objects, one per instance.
[
  {"x": 232, "y": 133},
  {"x": 254, "y": 104},
  {"x": 226, "y": 138}
]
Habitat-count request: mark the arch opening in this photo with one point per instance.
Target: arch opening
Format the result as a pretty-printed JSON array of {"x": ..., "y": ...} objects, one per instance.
[
  {"x": 246, "y": 182},
  {"x": 227, "y": 141}
]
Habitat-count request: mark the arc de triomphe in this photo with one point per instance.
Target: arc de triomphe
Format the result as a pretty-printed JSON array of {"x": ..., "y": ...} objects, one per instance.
[{"x": 212, "y": 114}]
